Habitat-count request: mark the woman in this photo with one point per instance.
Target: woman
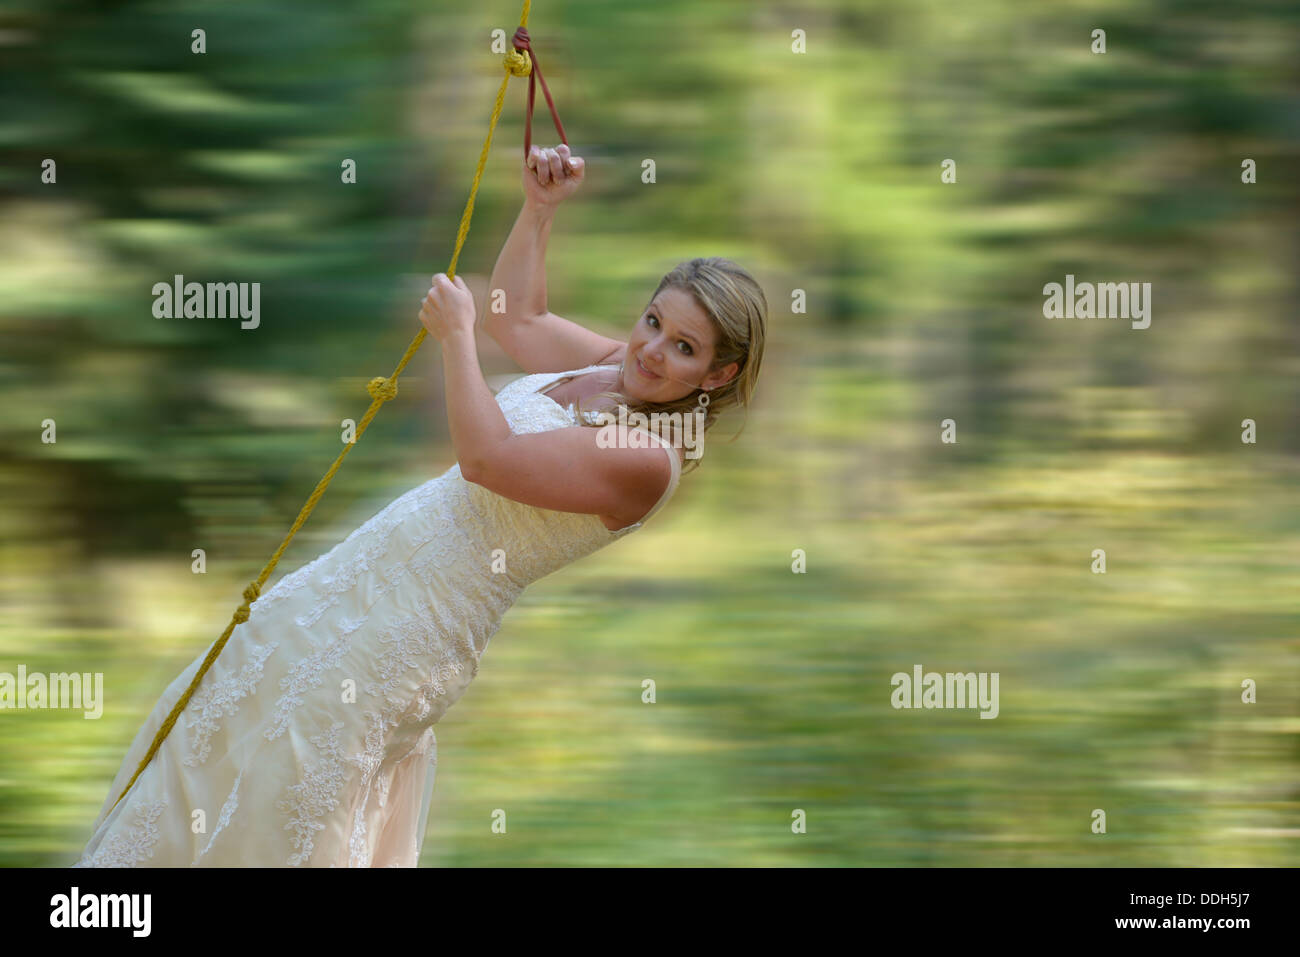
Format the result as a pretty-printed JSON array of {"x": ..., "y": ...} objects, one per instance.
[{"x": 310, "y": 739}]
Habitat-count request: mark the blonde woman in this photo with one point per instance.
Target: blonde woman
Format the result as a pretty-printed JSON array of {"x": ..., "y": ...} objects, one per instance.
[{"x": 310, "y": 740}]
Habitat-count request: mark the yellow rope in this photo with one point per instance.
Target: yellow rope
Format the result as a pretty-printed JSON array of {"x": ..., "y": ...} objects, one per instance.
[{"x": 381, "y": 389}]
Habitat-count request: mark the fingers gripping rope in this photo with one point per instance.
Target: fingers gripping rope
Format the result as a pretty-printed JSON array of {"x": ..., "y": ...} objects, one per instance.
[{"x": 521, "y": 61}]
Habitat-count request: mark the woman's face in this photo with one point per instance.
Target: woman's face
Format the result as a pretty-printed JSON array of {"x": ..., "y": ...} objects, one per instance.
[{"x": 670, "y": 350}]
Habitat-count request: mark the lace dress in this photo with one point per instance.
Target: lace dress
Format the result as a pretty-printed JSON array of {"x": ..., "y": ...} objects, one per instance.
[{"x": 310, "y": 740}]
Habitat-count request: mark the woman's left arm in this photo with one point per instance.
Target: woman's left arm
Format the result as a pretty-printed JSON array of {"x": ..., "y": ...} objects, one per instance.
[
  {"x": 566, "y": 470},
  {"x": 474, "y": 418}
]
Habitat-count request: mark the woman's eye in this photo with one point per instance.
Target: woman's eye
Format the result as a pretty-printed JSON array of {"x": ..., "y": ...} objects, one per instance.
[{"x": 654, "y": 321}]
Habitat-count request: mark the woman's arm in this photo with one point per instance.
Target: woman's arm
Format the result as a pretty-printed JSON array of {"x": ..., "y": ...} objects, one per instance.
[
  {"x": 537, "y": 339},
  {"x": 571, "y": 470},
  {"x": 473, "y": 416},
  {"x": 520, "y": 271},
  {"x": 549, "y": 177}
]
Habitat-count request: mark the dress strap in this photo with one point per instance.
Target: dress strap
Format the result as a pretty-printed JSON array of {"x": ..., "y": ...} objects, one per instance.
[{"x": 553, "y": 377}]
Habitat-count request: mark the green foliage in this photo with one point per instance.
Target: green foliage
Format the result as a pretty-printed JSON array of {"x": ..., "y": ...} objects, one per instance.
[{"x": 818, "y": 171}]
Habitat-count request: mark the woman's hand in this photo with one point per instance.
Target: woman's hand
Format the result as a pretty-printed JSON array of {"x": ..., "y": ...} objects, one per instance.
[
  {"x": 448, "y": 308},
  {"x": 551, "y": 176}
]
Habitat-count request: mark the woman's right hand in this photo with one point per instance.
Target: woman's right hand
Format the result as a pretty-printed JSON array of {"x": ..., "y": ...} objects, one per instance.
[{"x": 551, "y": 175}]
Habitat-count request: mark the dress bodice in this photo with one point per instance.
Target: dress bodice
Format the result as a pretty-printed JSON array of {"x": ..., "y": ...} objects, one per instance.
[
  {"x": 528, "y": 409},
  {"x": 462, "y": 538}
]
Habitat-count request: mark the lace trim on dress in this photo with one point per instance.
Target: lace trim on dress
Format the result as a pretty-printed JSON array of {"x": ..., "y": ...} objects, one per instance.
[
  {"x": 302, "y": 677},
  {"x": 338, "y": 586},
  {"x": 368, "y": 762},
  {"x": 315, "y": 796},
  {"x": 227, "y": 811},
  {"x": 357, "y": 848},
  {"x": 410, "y": 643},
  {"x": 285, "y": 587},
  {"x": 380, "y": 527},
  {"x": 221, "y": 698},
  {"x": 134, "y": 846},
  {"x": 367, "y": 558}
]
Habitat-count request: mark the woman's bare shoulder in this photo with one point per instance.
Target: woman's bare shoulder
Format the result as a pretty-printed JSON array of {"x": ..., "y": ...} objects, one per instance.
[{"x": 618, "y": 355}]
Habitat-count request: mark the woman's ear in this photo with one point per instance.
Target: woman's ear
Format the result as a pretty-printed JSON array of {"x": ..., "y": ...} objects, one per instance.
[{"x": 716, "y": 380}]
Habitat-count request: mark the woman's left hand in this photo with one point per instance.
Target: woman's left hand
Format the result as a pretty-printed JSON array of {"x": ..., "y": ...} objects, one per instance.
[{"x": 448, "y": 308}]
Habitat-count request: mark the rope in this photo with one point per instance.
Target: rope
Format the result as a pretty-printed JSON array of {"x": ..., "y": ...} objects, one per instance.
[
  {"x": 521, "y": 61},
  {"x": 522, "y": 45}
]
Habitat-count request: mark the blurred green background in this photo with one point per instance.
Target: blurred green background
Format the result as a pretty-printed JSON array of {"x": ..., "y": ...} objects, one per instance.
[{"x": 817, "y": 171}]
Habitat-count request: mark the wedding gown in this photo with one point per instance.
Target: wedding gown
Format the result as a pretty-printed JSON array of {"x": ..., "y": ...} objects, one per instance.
[{"x": 310, "y": 739}]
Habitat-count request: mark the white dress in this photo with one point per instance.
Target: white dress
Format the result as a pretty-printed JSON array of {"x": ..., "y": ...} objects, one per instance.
[{"x": 310, "y": 740}]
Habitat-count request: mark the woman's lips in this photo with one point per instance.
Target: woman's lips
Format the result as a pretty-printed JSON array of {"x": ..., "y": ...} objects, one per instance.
[{"x": 646, "y": 372}]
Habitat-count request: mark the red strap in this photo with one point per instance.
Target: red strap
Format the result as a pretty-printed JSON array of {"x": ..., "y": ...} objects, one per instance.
[{"x": 521, "y": 42}]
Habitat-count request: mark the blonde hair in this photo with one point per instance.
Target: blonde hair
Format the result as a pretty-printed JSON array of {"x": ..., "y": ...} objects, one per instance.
[{"x": 737, "y": 308}]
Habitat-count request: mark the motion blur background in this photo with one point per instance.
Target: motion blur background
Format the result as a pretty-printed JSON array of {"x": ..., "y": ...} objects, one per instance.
[{"x": 817, "y": 171}]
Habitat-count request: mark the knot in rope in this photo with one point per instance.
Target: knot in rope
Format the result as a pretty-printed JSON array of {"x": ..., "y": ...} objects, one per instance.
[
  {"x": 518, "y": 61},
  {"x": 382, "y": 387},
  {"x": 250, "y": 596},
  {"x": 523, "y": 51}
]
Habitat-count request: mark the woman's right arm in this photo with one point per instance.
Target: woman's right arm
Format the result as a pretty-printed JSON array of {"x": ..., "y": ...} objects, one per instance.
[
  {"x": 520, "y": 272},
  {"x": 537, "y": 339}
]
